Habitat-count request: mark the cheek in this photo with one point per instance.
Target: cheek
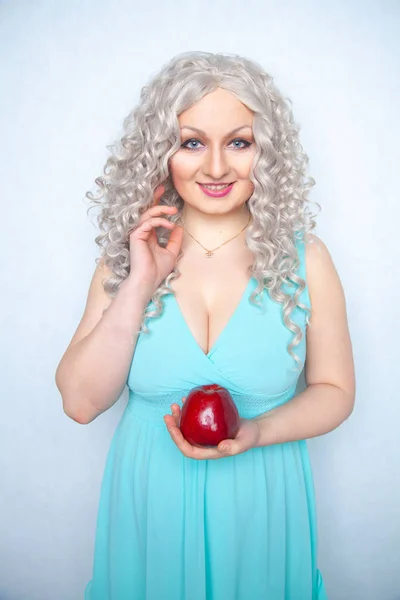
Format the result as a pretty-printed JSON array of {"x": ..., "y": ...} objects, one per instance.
[
  {"x": 181, "y": 168},
  {"x": 246, "y": 184},
  {"x": 244, "y": 175},
  {"x": 243, "y": 166}
]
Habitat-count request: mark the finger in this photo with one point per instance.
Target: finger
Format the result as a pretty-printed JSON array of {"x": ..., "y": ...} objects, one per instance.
[
  {"x": 158, "y": 192},
  {"x": 196, "y": 452},
  {"x": 177, "y": 436},
  {"x": 245, "y": 438},
  {"x": 157, "y": 210},
  {"x": 147, "y": 224},
  {"x": 176, "y": 413},
  {"x": 169, "y": 421},
  {"x": 225, "y": 447},
  {"x": 200, "y": 453},
  {"x": 144, "y": 231},
  {"x": 175, "y": 241},
  {"x": 157, "y": 222}
]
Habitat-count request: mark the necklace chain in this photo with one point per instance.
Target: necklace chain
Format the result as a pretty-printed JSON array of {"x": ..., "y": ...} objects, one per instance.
[{"x": 209, "y": 253}]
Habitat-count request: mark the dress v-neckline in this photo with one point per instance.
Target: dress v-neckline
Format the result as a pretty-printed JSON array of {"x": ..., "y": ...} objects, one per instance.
[{"x": 220, "y": 335}]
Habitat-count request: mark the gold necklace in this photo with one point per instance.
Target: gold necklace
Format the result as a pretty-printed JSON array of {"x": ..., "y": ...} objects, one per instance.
[{"x": 209, "y": 253}]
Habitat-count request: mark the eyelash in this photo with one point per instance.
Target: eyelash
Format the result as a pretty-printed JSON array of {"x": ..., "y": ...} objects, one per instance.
[{"x": 247, "y": 144}]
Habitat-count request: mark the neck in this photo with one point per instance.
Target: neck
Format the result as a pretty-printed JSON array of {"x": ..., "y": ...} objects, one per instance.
[{"x": 213, "y": 229}]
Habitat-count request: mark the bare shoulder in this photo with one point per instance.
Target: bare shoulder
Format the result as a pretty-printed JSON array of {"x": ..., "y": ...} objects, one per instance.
[
  {"x": 329, "y": 348},
  {"x": 321, "y": 271}
]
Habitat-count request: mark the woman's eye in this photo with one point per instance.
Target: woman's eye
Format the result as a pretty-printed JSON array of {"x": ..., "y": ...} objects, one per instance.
[
  {"x": 191, "y": 141},
  {"x": 240, "y": 141}
]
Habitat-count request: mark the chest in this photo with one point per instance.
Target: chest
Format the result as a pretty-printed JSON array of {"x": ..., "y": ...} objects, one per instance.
[
  {"x": 209, "y": 331},
  {"x": 207, "y": 297},
  {"x": 248, "y": 355}
]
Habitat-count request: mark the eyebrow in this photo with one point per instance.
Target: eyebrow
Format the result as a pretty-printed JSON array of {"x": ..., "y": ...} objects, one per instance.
[{"x": 203, "y": 133}]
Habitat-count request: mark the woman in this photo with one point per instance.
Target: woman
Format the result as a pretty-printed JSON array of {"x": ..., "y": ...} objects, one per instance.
[{"x": 206, "y": 238}]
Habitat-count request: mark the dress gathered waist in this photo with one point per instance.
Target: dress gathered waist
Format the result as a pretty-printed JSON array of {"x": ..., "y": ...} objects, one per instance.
[{"x": 155, "y": 406}]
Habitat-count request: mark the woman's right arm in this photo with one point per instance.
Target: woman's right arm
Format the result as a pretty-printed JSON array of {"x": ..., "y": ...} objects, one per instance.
[
  {"x": 92, "y": 373},
  {"x": 94, "y": 369}
]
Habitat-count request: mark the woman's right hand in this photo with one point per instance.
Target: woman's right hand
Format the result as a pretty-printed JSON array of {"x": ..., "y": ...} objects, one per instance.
[{"x": 150, "y": 263}]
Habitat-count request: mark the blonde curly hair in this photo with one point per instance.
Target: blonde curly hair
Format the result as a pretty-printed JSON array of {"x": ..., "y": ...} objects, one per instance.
[{"x": 139, "y": 163}]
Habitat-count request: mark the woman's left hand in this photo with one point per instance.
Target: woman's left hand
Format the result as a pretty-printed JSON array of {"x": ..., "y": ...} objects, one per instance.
[{"x": 246, "y": 438}]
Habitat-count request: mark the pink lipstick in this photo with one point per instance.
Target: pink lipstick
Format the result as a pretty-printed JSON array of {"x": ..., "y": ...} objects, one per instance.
[{"x": 217, "y": 193}]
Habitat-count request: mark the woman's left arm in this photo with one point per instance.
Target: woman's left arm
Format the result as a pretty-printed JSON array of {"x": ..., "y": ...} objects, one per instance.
[{"x": 329, "y": 369}]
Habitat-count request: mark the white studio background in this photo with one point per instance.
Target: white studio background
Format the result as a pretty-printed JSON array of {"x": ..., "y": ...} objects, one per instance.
[{"x": 70, "y": 72}]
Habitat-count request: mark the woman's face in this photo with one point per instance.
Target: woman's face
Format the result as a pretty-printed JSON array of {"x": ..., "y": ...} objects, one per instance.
[{"x": 217, "y": 147}]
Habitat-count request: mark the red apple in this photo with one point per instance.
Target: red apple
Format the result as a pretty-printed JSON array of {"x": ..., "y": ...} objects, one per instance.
[{"x": 209, "y": 415}]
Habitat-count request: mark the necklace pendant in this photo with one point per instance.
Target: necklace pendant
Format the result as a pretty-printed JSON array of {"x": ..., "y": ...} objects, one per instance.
[{"x": 209, "y": 253}]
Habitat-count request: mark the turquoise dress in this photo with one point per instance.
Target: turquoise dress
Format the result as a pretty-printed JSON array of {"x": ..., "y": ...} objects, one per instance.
[{"x": 237, "y": 528}]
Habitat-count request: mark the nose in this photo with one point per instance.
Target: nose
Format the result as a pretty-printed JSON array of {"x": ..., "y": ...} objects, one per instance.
[{"x": 216, "y": 163}]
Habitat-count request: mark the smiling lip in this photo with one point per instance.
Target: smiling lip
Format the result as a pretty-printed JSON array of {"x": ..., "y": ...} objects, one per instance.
[{"x": 217, "y": 193}]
